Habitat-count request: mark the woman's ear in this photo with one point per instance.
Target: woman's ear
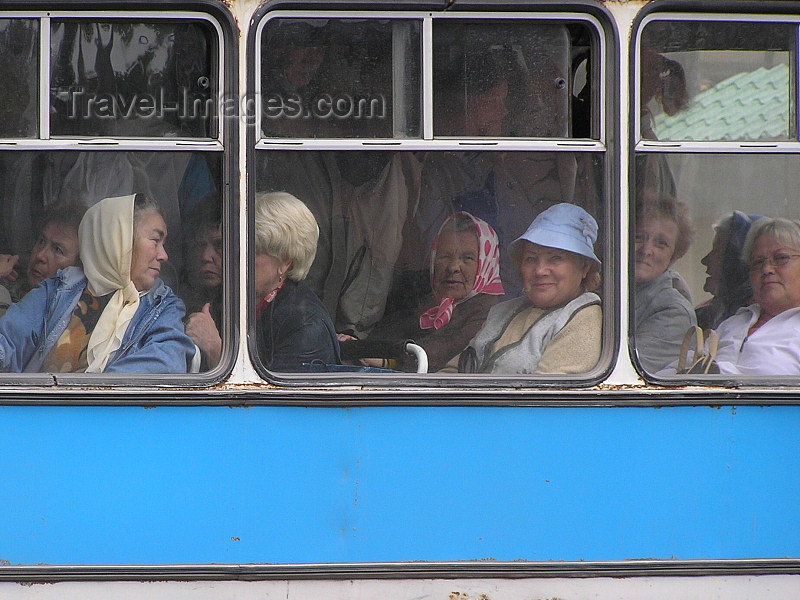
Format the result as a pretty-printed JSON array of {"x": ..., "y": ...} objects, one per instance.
[{"x": 283, "y": 268}]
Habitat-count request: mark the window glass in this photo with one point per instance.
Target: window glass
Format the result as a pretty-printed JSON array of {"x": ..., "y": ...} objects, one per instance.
[
  {"x": 707, "y": 81},
  {"x": 417, "y": 245},
  {"x": 340, "y": 78},
  {"x": 132, "y": 79},
  {"x": 514, "y": 79},
  {"x": 19, "y": 60},
  {"x": 716, "y": 235},
  {"x": 379, "y": 214},
  {"x": 46, "y": 195},
  {"x": 112, "y": 260}
]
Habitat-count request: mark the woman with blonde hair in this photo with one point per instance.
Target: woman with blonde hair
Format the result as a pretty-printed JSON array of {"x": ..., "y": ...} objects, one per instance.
[
  {"x": 663, "y": 306},
  {"x": 113, "y": 315},
  {"x": 293, "y": 327}
]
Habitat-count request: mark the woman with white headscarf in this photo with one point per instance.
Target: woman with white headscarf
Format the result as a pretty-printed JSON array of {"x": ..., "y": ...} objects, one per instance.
[{"x": 114, "y": 315}]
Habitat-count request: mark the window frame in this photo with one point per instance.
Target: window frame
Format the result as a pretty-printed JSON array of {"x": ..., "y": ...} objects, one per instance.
[
  {"x": 670, "y": 11},
  {"x": 606, "y": 110},
  {"x": 225, "y": 57}
]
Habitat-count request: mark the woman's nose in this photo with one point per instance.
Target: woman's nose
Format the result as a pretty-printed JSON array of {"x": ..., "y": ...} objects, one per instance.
[
  {"x": 453, "y": 266},
  {"x": 540, "y": 268}
]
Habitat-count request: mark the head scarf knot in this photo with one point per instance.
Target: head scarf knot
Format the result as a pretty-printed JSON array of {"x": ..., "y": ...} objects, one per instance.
[
  {"x": 105, "y": 236},
  {"x": 487, "y": 277}
]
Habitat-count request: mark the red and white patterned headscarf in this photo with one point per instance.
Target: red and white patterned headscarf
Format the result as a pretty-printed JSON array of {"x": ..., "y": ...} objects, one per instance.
[{"x": 487, "y": 278}]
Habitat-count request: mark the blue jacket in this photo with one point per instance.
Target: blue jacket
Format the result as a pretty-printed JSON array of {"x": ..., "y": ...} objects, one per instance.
[{"x": 153, "y": 343}]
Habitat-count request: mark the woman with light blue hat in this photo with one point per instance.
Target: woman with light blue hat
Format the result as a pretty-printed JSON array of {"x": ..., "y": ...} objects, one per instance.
[{"x": 556, "y": 327}]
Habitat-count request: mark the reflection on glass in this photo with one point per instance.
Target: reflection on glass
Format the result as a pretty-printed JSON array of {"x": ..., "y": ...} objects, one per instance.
[
  {"x": 500, "y": 79},
  {"x": 19, "y": 63},
  {"x": 707, "y": 81},
  {"x": 340, "y": 78},
  {"x": 132, "y": 79},
  {"x": 47, "y": 193}
]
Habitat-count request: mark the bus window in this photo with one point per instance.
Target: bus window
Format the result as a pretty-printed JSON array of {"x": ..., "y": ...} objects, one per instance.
[
  {"x": 510, "y": 80},
  {"x": 717, "y": 149},
  {"x": 132, "y": 79},
  {"x": 102, "y": 206},
  {"x": 388, "y": 212},
  {"x": 340, "y": 78}
]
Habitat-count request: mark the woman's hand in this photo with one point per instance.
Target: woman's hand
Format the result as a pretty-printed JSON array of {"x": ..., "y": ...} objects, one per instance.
[
  {"x": 364, "y": 362},
  {"x": 7, "y": 264},
  {"x": 373, "y": 362},
  {"x": 202, "y": 330}
]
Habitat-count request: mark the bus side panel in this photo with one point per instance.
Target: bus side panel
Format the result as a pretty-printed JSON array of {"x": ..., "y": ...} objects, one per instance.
[
  {"x": 171, "y": 485},
  {"x": 765, "y": 587}
]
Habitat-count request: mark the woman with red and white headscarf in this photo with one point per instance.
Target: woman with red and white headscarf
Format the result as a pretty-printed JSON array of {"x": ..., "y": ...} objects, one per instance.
[{"x": 465, "y": 282}]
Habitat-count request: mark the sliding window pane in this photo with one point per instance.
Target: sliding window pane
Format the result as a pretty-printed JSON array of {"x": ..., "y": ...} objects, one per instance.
[{"x": 133, "y": 79}]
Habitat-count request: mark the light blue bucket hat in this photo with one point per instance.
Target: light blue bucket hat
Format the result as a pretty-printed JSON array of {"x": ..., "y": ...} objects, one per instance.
[{"x": 563, "y": 226}]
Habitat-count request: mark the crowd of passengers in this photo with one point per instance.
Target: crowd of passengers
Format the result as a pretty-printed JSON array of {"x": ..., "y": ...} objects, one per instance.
[{"x": 92, "y": 300}]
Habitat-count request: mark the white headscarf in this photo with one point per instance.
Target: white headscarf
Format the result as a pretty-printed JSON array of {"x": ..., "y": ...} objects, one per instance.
[{"x": 106, "y": 245}]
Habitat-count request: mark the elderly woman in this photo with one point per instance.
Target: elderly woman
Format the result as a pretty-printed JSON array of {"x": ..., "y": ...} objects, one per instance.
[
  {"x": 764, "y": 338},
  {"x": 114, "y": 315},
  {"x": 663, "y": 308},
  {"x": 293, "y": 327},
  {"x": 465, "y": 282},
  {"x": 728, "y": 278},
  {"x": 556, "y": 327}
]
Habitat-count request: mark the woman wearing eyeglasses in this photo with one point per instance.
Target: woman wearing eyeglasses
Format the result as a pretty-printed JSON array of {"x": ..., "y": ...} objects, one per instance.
[{"x": 764, "y": 338}]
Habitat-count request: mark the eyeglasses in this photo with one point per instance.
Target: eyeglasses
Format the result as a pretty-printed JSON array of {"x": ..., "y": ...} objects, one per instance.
[{"x": 776, "y": 260}]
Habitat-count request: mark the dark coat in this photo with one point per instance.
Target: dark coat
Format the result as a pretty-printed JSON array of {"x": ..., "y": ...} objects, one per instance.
[
  {"x": 295, "y": 328},
  {"x": 440, "y": 344}
]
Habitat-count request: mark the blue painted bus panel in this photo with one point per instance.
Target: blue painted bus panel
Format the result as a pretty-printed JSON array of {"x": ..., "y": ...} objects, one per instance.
[{"x": 196, "y": 485}]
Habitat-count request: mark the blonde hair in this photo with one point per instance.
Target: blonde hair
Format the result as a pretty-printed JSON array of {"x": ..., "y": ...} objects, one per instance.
[
  {"x": 677, "y": 212},
  {"x": 286, "y": 229}
]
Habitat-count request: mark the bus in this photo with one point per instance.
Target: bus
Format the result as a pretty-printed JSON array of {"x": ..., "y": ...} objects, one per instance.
[{"x": 627, "y": 456}]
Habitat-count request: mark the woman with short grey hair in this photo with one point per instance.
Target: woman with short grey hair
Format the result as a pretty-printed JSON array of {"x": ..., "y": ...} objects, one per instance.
[{"x": 764, "y": 338}]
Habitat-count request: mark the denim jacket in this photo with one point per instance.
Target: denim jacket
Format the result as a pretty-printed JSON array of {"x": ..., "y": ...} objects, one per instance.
[{"x": 154, "y": 341}]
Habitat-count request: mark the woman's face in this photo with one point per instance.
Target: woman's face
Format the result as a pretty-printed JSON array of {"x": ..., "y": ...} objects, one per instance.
[
  {"x": 655, "y": 246},
  {"x": 269, "y": 272},
  {"x": 551, "y": 277},
  {"x": 148, "y": 250},
  {"x": 775, "y": 288},
  {"x": 56, "y": 248},
  {"x": 713, "y": 262},
  {"x": 455, "y": 265},
  {"x": 208, "y": 248}
]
